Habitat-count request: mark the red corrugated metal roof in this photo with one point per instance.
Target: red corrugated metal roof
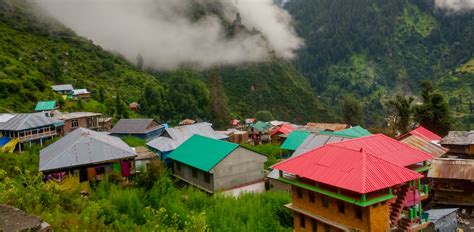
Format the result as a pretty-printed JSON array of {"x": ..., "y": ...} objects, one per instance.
[
  {"x": 387, "y": 148},
  {"x": 284, "y": 129},
  {"x": 425, "y": 133},
  {"x": 352, "y": 169}
]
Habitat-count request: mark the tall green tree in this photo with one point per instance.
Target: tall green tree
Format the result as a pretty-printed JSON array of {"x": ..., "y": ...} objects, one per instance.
[
  {"x": 434, "y": 113},
  {"x": 264, "y": 116},
  {"x": 153, "y": 102},
  {"x": 403, "y": 107},
  {"x": 352, "y": 111},
  {"x": 121, "y": 108},
  {"x": 218, "y": 102}
]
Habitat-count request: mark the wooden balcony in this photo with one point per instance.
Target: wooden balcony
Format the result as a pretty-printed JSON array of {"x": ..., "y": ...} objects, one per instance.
[{"x": 31, "y": 137}]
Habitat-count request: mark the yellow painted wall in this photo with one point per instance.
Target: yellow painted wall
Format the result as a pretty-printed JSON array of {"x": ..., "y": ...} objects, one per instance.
[{"x": 373, "y": 218}]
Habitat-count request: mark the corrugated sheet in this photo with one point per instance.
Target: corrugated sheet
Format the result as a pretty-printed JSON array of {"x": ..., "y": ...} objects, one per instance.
[
  {"x": 72, "y": 115},
  {"x": 182, "y": 133},
  {"x": 83, "y": 147},
  {"x": 353, "y": 132},
  {"x": 314, "y": 141},
  {"x": 327, "y": 126},
  {"x": 202, "y": 152},
  {"x": 45, "y": 105},
  {"x": 294, "y": 140},
  {"x": 459, "y": 138},
  {"x": 66, "y": 87},
  {"x": 27, "y": 121},
  {"x": 422, "y": 144},
  {"x": 425, "y": 134},
  {"x": 79, "y": 91},
  {"x": 352, "y": 169},
  {"x": 261, "y": 126},
  {"x": 284, "y": 129},
  {"x": 462, "y": 169},
  {"x": 134, "y": 126}
]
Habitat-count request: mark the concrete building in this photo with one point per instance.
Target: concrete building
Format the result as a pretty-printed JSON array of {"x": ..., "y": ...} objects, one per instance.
[
  {"x": 350, "y": 188},
  {"x": 214, "y": 165},
  {"x": 75, "y": 120}
]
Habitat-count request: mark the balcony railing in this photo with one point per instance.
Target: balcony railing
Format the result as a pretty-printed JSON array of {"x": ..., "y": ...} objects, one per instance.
[{"x": 30, "y": 137}]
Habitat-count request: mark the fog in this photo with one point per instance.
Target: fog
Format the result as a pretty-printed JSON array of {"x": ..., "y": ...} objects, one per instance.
[{"x": 455, "y": 5}]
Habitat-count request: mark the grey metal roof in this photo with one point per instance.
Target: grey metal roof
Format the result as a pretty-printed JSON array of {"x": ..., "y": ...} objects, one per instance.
[
  {"x": 26, "y": 121},
  {"x": 314, "y": 141},
  {"x": 182, "y": 133},
  {"x": 134, "y": 126},
  {"x": 436, "y": 214},
  {"x": 73, "y": 115},
  {"x": 66, "y": 87},
  {"x": 79, "y": 91},
  {"x": 82, "y": 147},
  {"x": 459, "y": 138}
]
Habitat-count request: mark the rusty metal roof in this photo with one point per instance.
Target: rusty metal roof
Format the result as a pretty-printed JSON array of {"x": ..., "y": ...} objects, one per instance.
[
  {"x": 424, "y": 145},
  {"x": 328, "y": 126},
  {"x": 459, "y": 138},
  {"x": 462, "y": 169}
]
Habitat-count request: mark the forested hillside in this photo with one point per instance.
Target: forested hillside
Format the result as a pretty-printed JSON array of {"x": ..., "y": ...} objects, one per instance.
[
  {"x": 35, "y": 54},
  {"x": 376, "y": 49}
]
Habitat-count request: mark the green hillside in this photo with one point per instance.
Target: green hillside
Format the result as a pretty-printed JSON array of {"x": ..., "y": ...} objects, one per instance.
[
  {"x": 35, "y": 54},
  {"x": 376, "y": 49}
]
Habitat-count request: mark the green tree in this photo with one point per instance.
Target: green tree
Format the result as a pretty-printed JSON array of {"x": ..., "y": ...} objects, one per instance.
[
  {"x": 403, "y": 107},
  {"x": 218, "y": 102},
  {"x": 264, "y": 116},
  {"x": 121, "y": 109},
  {"x": 352, "y": 111},
  {"x": 434, "y": 113},
  {"x": 153, "y": 102}
]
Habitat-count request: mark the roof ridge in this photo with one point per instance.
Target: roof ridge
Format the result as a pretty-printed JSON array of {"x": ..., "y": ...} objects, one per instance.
[{"x": 63, "y": 150}]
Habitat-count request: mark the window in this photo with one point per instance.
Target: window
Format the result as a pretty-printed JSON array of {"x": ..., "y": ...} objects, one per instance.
[
  {"x": 178, "y": 166},
  {"x": 358, "y": 212},
  {"x": 299, "y": 193},
  {"x": 74, "y": 123},
  {"x": 302, "y": 221},
  {"x": 311, "y": 197},
  {"x": 194, "y": 173},
  {"x": 327, "y": 228},
  {"x": 341, "y": 206},
  {"x": 314, "y": 225},
  {"x": 324, "y": 201},
  {"x": 207, "y": 177}
]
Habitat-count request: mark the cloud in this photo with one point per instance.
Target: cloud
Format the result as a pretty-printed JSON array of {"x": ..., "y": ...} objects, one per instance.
[
  {"x": 455, "y": 5},
  {"x": 164, "y": 34}
]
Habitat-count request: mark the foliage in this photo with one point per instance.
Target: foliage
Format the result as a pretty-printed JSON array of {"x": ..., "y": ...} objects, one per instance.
[
  {"x": 156, "y": 206},
  {"x": 403, "y": 107},
  {"x": 352, "y": 111},
  {"x": 219, "y": 102},
  {"x": 434, "y": 113},
  {"x": 133, "y": 141},
  {"x": 264, "y": 116}
]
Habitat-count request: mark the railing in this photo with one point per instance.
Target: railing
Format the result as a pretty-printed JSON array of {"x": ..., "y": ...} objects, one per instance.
[{"x": 37, "y": 136}]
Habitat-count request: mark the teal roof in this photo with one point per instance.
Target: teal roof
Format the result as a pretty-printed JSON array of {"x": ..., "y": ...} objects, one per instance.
[
  {"x": 202, "y": 152},
  {"x": 353, "y": 132},
  {"x": 45, "y": 105},
  {"x": 261, "y": 126},
  {"x": 294, "y": 140}
]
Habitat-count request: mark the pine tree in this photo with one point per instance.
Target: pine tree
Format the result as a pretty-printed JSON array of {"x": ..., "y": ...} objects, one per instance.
[{"x": 219, "y": 102}]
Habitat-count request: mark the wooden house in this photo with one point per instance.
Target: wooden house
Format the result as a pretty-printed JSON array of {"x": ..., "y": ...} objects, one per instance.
[
  {"x": 65, "y": 89},
  {"x": 352, "y": 186},
  {"x": 423, "y": 133},
  {"x": 87, "y": 154},
  {"x": 215, "y": 165},
  {"x": 146, "y": 129},
  {"x": 460, "y": 144},
  {"x": 144, "y": 157},
  {"x": 452, "y": 182},
  {"x": 105, "y": 124},
  {"x": 260, "y": 132},
  {"x": 18, "y": 129},
  {"x": 174, "y": 137},
  {"x": 283, "y": 129},
  {"x": 81, "y": 94},
  {"x": 75, "y": 120}
]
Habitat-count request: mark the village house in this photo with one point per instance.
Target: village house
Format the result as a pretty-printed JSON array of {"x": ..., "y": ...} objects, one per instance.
[
  {"x": 13, "y": 219},
  {"x": 65, "y": 89},
  {"x": 452, "y": 182},
  {"x": 174, "y": 137},
  {"x": 422, "y": 133},
  {"x": 279, "y": 134},
  {"x": 259, "y": 132},
  {"x": 215, "y": 165},
  {"x": 105, "y": 124},
  {"x": 75, "y": 120},
  {"x": 146, "y": 129},
  {"x": 133, "y": 106},
  {"x": 46, "y": 106},
  {"x": 237, "y": 136},
  {"x": 419, "y": 143},
  {"x": 18, "y": 129},
  {"x": 352, "y": 186},
  {"x": 144, "y": 157},
  {"x": 460, "y": 144},
  {"x": 294, "y": 140},
  {"x": 87, "y": 155},
  {"x": 353, "y": 132},
  {"x": 81, "y": 94}
]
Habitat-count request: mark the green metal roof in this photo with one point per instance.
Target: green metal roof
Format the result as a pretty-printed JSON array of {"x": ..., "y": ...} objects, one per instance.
[
  {"x": 353, "y": 132},
  {"x": 294, "y": 140},
  {"x": 202, "y": 152},
  {"x": 261, "y": 126},
  {"x": 45, "y": 105}
]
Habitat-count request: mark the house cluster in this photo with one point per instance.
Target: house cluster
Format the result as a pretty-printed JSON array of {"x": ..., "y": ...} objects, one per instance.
[
  {"x": 340, "y": 177},
  {"x": 68, "y": 92}
]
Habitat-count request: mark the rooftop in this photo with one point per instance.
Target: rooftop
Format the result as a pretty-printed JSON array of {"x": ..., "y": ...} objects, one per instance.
[
  {"x": 461, "y": 169},
  {"x": 83, "y": 147},
  {"x": 135, "y": 126},
  {"x": 261, "y": 126},
  {"x": 459, "y": 138},
  {"x": 422, "y": 144},
  {"x": 19, "y": 122},
  {"x": 65, "y": 87},
  {"x": 80, "y": 91},
  {"x": 73, "y": 115},
  {"x": 327, "y": 126},
  {"x": 45, "y": 106},
  {"x": 353, "y": 132},
  {"x": 13, "y": 219},
  {"x": 284, "y": 129},
  {"x": 355, "y": 170},
  {"x": 294, "y": 140},
  {"x": 313, "y": 141},
  {"x": 202, "y": 152},
  {"x": 423, "y": 133}
]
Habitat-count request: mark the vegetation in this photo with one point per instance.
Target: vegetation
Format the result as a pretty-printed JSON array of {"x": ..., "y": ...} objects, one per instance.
[
  {"x": 133, "y": 141},
  {"x": 157, "y": 205},
  {"x": 264, "y": 116},
  {"x": 403, "y": 107}
]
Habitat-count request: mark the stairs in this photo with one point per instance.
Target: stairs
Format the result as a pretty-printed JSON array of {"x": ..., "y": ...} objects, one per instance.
[
  {"x": 404, "y": 225},
  {"x": 396, "y": 207}
]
